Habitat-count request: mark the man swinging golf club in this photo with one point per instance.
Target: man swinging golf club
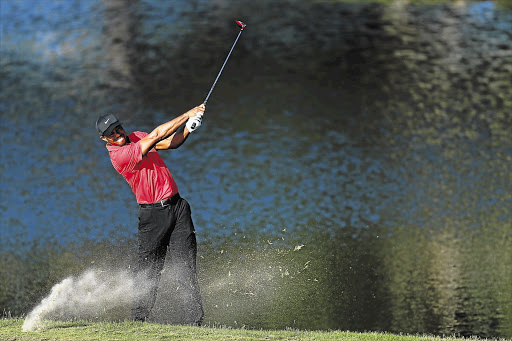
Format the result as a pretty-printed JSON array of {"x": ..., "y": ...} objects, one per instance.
[{"x": 164, "y": 217}]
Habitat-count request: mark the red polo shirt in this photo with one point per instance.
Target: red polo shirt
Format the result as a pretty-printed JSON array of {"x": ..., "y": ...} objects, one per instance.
[{"x": 148, "y": 176}]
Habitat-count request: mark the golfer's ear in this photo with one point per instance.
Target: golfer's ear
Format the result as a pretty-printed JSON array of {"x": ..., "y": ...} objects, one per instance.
[{"x": 103, "y": 138}]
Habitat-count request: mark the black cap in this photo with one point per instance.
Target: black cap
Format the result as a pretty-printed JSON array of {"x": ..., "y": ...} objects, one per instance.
[{"x": 106, "y": 123}]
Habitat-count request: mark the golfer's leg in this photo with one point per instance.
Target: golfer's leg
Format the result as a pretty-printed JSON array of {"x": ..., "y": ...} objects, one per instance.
[
  {"x": 150, "y": 268},
  {"x": 184, "y": 251},
  {"x": 152, "y": 250}
]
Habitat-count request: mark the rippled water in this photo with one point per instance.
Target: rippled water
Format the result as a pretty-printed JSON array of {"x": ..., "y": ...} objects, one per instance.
[{"x": 384, "y": 124}]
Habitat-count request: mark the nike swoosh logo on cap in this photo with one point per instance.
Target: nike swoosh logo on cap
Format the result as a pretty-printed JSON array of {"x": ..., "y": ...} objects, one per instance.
[{"x": 107, "y": 120}]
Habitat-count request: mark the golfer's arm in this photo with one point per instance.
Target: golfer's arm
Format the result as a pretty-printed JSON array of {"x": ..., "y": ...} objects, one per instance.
[
  {"x": 162, "y": 132},
  {"x": 175, "y": 140}
]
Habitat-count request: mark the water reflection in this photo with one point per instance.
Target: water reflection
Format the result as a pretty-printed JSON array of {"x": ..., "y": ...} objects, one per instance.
[{"x": 377, "y": 138}]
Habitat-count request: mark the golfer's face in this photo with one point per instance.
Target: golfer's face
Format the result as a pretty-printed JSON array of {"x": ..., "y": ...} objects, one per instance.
[{"x": 117, "y": 137}]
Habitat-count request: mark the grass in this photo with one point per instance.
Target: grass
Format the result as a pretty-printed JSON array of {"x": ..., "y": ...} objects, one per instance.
[{"x": 10, "y": 330}]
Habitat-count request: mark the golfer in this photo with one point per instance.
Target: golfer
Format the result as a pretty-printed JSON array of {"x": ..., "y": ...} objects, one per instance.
[{"x": 164, "y": 217}]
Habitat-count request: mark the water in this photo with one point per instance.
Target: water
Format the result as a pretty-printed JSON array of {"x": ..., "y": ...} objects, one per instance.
[{"x": 382, "y": 127}]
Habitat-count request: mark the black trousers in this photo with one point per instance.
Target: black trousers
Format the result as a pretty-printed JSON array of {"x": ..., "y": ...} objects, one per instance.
[{"x": 161, "y": 227}]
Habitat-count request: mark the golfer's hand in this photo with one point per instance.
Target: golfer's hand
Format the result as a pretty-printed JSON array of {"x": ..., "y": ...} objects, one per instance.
[
  {"x": 197, "y": 110},
  {"x": 194, "y": 122}
]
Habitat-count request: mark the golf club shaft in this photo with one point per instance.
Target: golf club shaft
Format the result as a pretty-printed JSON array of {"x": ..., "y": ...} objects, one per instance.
[{"x": 222, "y": 68}]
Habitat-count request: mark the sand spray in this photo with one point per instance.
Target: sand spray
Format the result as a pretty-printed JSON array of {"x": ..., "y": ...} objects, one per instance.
[
  {"x": 233, "y": 290},
  {"x": 93, "y": 294}
]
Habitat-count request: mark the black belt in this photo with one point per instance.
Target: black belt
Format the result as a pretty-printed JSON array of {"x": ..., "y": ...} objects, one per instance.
[{"x": 163, "y": 203}]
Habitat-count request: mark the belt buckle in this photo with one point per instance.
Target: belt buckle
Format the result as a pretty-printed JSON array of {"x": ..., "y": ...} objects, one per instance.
[{"x": 162, "y": 203}]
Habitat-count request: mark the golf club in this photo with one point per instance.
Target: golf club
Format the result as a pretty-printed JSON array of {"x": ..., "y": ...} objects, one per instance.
[{"x": 242, "y": 26}]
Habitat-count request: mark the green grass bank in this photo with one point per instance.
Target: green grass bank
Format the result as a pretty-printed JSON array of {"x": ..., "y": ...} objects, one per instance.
[{"x": 10, "y": 330}]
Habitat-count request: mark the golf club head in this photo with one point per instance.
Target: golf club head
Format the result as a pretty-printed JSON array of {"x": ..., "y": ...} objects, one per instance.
[{"x": 240, "y": 24}]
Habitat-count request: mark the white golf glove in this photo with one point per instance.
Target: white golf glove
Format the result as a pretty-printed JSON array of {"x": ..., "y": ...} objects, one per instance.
[{"x": 194, "y": 122}]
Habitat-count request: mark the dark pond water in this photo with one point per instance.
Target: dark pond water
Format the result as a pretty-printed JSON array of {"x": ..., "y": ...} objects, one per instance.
[{"x": 374, "y": 138}]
